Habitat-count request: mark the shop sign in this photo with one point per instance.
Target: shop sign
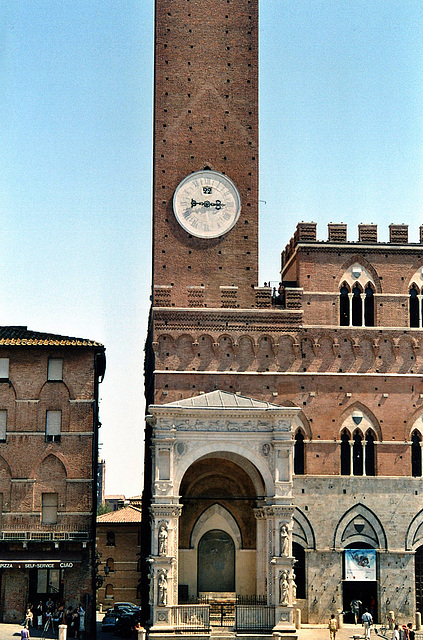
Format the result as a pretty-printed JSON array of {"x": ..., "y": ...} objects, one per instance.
[{"x": 16, "y": 564}]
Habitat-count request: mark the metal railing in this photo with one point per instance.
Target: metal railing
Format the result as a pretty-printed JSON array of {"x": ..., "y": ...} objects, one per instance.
[
  {"x": 254, "y": 617},
  {"x": 191, "y": 617},
  {"x": 43, "y": 536}
]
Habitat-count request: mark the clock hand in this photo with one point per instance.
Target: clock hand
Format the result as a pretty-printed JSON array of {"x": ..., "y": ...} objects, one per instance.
[{"x": 218, "y": 204}]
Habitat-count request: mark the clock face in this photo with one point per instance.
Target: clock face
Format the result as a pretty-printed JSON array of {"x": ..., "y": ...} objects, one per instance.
[{"x": 206, "y": 204}]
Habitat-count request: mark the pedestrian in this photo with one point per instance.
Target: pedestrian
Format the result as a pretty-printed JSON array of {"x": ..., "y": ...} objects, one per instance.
[
  {"x": 333, "y": 627},
  {"x": 81, "y": 614},
  {"x": 395, "y": 633},
  {"x": 25, "y": 634},
  {"x": 28, "y": 617},
  {"x": 404, "y": 632},
  {"x": 367, "y": 621},
  {"x": 39, "y": 615},
  {"x": 355, "y": 607},
  {"x": 411, "y": 633}
]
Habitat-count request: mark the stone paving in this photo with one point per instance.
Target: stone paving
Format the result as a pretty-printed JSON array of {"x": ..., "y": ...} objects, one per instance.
[{"x": 9, "y": 631}]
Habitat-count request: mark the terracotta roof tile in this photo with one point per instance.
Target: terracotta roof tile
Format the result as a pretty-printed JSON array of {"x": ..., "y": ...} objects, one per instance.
[
  {"x": 121, "y": 516},
  {"x": 22, "y": 336}
]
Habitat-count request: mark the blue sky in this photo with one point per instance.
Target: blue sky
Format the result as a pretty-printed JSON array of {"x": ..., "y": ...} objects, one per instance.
[{"x": 341, "y": 135}]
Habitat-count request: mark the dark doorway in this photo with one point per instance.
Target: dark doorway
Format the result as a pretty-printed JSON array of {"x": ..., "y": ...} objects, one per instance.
[
  {"x": 366, "y": 592},
  {"x": 419, "y": 579},
  {"x": 216, "y": 562},
  {"x": 45, "y": 584}
]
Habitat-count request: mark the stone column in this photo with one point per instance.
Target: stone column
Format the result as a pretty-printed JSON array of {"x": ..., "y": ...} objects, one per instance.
[
  {"x": 261, "y": 554},
  {"x": 163, "y": 562},
  {"x": 281, "y": 577}
]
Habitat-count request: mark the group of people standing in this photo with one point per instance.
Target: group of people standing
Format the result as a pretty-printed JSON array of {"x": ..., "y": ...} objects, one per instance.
[
  {"x": 404, "y": 632},
  {"x": 50, "y": 614}
]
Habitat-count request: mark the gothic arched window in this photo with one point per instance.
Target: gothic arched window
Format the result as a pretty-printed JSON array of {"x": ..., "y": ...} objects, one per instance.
[
  {"x": 357, "y": 307},
  {"x": 345, "y": 454},
  {"x": 416, "y": 455},
  {"x": 369, "y": 307},
  {"x": 414, "y": 307},
  {"x": 299, "y": 454},
  {"x": 357, "y": 454},
  {"x": 344, "y": 307}
]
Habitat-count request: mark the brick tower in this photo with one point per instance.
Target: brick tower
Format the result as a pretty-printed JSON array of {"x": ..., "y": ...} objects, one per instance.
[{"x": 206, "y": 119}]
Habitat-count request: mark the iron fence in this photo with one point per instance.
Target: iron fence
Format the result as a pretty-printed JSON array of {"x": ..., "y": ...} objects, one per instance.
[
  {"x": 254, "y": 617},
  {"x": 191, "y": 617}
]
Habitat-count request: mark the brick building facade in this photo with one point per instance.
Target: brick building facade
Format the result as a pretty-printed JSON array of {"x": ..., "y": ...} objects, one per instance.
[
  {"x": 48, "y": 456},
  {"x": 118, "y": 545},
  {"x": 339, "y": 344}
]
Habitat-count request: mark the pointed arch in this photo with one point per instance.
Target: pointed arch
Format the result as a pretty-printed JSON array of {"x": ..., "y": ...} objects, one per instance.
[
  {"x": 216, "y": 517},
  {"x": 414, "y": 534},
  {"x": 302, "y": 531},
  {"x": 368, "y": 272},
  {"x": 359, "y": 525},
  {"x": 350, "y": 420}
]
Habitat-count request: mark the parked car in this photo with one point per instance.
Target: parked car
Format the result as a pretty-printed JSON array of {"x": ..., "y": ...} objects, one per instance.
[
  {"x": 109, "y": 621},
  {"x": 125, "y": 605}
]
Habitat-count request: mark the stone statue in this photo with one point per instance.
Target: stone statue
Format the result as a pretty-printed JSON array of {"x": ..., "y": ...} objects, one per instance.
[
  {"x": 162, "y": 600},
  {"x": 284, "y": 540},
  {"x": 162, "y": 540},
  {"x": 283, "y": 589}
]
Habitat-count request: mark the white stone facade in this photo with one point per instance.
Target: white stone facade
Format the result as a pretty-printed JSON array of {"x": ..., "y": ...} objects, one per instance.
[{"x": 255, "y": 436}]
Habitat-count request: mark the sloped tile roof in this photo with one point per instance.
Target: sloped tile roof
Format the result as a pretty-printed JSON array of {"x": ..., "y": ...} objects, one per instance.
[
  {"x": 121, "y": 516},
  {"x": 22, "y": 336},
  {"x": 223, "y": 399}
]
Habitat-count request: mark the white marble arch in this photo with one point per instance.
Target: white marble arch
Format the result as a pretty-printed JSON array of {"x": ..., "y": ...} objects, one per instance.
[
  {"x": 303, "y": 532},
  {"x": 378, "y": 539},
  {"x": 216, "y": 517},
  {"x": 244, "y": 457},
  {"x": 414, "y": 535}
]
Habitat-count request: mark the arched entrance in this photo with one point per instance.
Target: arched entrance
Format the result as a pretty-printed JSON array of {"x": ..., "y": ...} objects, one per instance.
[
  {"x": 216, "y": 562},
  {"x": 218, "y": 526}
]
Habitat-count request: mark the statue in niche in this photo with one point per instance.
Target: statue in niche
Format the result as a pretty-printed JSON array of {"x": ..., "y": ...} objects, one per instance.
[
  {"x": 284, "y": 535},
  {"x": 283, "y": 589},
  {"x": 162, "y": 599},
  {"x": 163, "y": 536}
]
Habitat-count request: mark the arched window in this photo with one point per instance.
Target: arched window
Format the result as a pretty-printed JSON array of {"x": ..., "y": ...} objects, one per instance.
[
  {"x": 357, "y": 454},
  {"x": 369, "y": 307},
  {"x": 416, "y": 455},
  {"x": 109, "y": 591},
  {"x": 344, "y": 307},
  {"x": 110, "y": 539},
  {"x": 414, "y": 307},
  {"x": 300, "y": 570},
  {"x": 299, "y": 454},
  {"x": 357, "y": 307},
  {"x": 370, "y": 454},
  {"x": 345, "y": 454},
  {"x": 110, "y": 564}
]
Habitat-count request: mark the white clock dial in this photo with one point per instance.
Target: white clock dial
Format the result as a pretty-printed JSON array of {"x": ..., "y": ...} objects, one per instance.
[{"x": 206, "y": 204}]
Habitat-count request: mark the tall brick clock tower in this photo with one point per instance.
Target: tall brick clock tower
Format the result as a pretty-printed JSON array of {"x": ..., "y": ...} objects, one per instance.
[
  {"x": 205, "y": 200},
  {"x": 205, "y": 219}
]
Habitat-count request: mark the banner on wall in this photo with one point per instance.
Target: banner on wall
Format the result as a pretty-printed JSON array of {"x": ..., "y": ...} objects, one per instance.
[{"x": 360, "y": 564}]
